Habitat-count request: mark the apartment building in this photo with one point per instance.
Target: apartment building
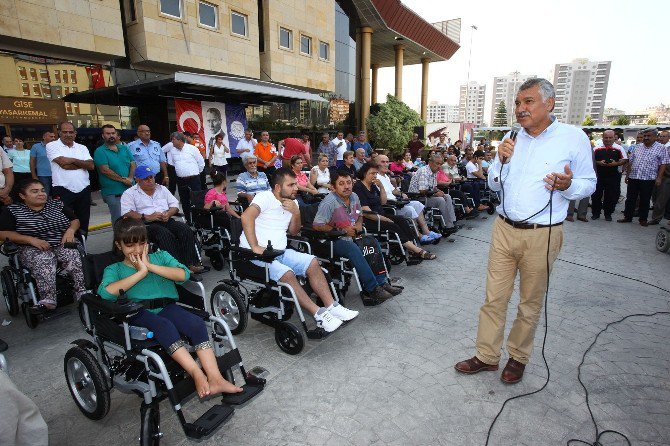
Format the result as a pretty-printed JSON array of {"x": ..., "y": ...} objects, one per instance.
[{"x": 581, "y": 90}]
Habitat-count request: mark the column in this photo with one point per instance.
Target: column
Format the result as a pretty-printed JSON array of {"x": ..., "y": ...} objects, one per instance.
[
  {"x": 375, "y": 67},
  {"x": 357, "y": 102},
  {"x": 424, "y": 88},
  {"x": 399, "y": 56},
  {"x": 366, "y": 54}
]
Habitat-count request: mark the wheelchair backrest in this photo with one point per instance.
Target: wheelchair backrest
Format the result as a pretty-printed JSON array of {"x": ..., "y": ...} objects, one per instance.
[
  {"x": 198, "y": 198},
  {"x": 94, "y": 266},
  {"x": 235, "y": 231},
  {"x": 308, "y": 213}
]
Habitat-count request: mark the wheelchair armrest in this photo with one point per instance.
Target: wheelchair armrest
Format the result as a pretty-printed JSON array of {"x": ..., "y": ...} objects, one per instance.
[
  {"x": 248, "y": 254},
  {"x": 111, "y": 308},
  {"x": 9, "y": 248},
  {"x": 313, "y": 234}
]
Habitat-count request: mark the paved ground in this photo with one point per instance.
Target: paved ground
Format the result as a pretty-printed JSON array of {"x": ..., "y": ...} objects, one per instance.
[{"x": 388, "y": 378}]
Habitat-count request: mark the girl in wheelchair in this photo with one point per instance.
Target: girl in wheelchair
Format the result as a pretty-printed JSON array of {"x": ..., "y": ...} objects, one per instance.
[
  {"x": 149, "y": 279},
  {"x": 216, "y": 196}
]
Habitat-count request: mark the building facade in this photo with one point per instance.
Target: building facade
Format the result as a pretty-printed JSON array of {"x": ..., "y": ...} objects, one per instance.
[
  {"x": 471, "y": 103},
  {"x": 442, "y": 112},
  {"x": 581, "y": 90},
  {"x": 505, "y": 89}
]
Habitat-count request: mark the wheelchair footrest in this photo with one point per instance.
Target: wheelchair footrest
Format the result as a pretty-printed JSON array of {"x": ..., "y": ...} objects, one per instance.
[
  {"x": 250, "y": 391},
  {"x": 411, "y": 261},
  {"x": 317, "y": 333},
  {"x": 208, "y": 422}
]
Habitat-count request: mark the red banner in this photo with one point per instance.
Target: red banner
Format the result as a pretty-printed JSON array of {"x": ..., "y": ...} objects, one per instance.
[
  {"x": 96, "y": 76},
  {"x": 189, "y": 117}
]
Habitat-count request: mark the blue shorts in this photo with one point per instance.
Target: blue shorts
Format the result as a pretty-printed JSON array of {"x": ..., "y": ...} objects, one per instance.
[{"x": 291, "y": 260}]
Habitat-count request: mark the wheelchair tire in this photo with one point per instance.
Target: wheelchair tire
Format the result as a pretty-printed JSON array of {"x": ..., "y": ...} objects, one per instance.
[
  {"x": 31, "y": 320},
  {"x": 150, "y": 429},
  {"x": 395, "y": 256},
  {"x": 662, "y": 241},
  {"x": 217, "y": 260},
  {"x": 289, "y": 338},
  {"x": 87, "y": 383},
  {"x": 228, "y": 304},
  {"x": 9, "y": 291}
]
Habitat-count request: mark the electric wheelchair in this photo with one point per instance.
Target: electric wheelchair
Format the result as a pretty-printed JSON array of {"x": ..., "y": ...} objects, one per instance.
[
  {"x": 251, "y": 292},
  {"x": 112, "y": 359},
  {"x": 20, "y": 292}
]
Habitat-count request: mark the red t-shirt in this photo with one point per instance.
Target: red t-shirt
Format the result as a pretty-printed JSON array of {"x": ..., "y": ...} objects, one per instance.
[{"x": 293, "y": 146}]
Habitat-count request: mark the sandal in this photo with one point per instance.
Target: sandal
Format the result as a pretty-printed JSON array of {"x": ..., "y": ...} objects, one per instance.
[{"x": 425, "y": 255}]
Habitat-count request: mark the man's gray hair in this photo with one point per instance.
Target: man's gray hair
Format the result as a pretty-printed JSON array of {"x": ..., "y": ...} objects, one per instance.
[
  {"x": 250, "y": 158},
  {"x": 436, "y": 157},
  {"x": 546, "y": 88},
  {"x": 652, "y": 130},
  {"x": 179, "y": 135},
  {"x": 360, "y": 150}
]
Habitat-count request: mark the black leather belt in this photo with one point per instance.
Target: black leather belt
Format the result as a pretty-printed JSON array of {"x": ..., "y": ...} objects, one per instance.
[
  {"x": 518, "y": 225},
  {"x": 188, "y": 178},
  {"x": 155, "y": 304}
]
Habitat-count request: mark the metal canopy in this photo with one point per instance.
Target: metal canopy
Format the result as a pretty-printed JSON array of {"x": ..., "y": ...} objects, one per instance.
[{"x": 185, "y": 85}]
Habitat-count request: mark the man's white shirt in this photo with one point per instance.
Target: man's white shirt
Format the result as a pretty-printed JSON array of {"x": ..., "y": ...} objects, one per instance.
[{"x": 72, "y": 180}]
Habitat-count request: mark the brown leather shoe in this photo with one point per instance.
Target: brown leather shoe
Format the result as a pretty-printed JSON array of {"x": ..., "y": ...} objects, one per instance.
[
  {"x": 513, "y": 372},
  {"x": 644, "y": 223},
  {"x": 624, "y": 220},
  {"x": 394, "y": 291},
  {"x": 570, "y": 218},
  {"x": 474, "y": 365},
  {"x": 584, "y": 219}
]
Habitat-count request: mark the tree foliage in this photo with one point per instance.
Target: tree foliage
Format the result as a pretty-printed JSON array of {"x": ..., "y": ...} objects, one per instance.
[
  {"x": 621, "y": 120},
  {"x": 500, "y": 118},
  {"x": 653, "y": 120},
  {"x": 588, "y": 121},
  {"x": 392, "y": 125}
]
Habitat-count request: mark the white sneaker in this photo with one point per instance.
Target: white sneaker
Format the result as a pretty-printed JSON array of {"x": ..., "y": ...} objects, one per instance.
[
  {"x": 342, "y": 313},
  {"x": 327, "y": 321}
]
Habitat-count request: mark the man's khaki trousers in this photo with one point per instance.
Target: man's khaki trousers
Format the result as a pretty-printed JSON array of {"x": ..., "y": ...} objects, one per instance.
[{"x": 512, "y": 250}]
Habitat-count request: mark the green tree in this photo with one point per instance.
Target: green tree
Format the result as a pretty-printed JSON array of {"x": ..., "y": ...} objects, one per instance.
[
  {"x": 653, "y": 120},
  {"x": 392, "y": 126},
  {"x": 500, "y": 118},
  {"x": 588, "y": 121},
  {"x": 621, "y": 120}
]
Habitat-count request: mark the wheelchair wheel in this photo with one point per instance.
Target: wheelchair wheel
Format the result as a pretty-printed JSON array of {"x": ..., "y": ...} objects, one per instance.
[
  {"x": 31, "y": 320},
  {"x": 216, "y": 259},
  {"x": 491, "y": 207},
  {"x": 9, "y": 291},
  {"x": 395, "y": 256},
  {"x": 87, "y": 383},
  {"x": 150, "y": 430},
  {"x": 289, "y": 338},
  {"x": 662, "y": 240},
  {"x": 228, "y": 304}
]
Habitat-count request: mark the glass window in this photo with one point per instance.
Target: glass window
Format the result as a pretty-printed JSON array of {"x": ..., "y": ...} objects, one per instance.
[
  {"x": 22, "y": 73},
  {"x": 305, "y": 45},
  {"x": 73, "y": 76},
  {"x": 44, "y": 75},
  {"x": 36, "y": 90},
  {"x": 33, "y": 74},
  {"x": 75, "y": 89},
  {"x": 26, "y": 89},
  {"x": 208, "y": 15},
  {"x": 57, "y": 75},
  {"x": 171, "y": 7},
  {"x": 285, "y": 38},
  {"x": 68, "y": 108},
  {"x": 238, "y": 23},
  {"x": 324, "y": 50},
  {"x": 76, "y": 109},
  {"x": 65, "y": 76},
  {"x": 46, "y": 91},
  {"x": 58, "y": 92},
  {"x": 66, "y": 90}
]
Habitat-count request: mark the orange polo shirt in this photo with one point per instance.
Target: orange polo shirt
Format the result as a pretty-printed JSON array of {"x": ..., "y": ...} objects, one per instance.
[{"x": 263, "y": 151}]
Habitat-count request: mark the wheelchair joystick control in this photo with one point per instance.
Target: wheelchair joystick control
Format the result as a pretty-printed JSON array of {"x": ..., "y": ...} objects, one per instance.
[
  {"x": 269, "y": 248},
  {"x": 123, "y": 298}
]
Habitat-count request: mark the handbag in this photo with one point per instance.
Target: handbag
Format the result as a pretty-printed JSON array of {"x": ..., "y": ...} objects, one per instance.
[{"x": 373, "y": 255}]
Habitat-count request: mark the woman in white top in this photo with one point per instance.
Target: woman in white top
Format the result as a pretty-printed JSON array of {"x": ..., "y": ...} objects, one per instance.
[
  {"x": 319, "y": 176},
  {"x": 218, "y": 161}
]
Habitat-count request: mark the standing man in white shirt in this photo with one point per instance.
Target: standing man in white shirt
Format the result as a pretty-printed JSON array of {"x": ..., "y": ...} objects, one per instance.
[
  {"x": 245, "y": 147},
  {"x": 70, "y": 163},
  {"x": 548, "y": 161},
  {"x": 341, "y": 145},
  {"x": 188, "y": 163}
]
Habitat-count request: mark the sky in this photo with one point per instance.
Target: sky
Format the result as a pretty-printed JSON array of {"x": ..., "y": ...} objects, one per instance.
[{"x": 532, "y": 37}]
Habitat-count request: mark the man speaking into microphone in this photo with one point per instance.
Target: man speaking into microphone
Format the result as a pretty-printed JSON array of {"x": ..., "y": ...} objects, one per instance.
[{"x": 537, "y": 171}]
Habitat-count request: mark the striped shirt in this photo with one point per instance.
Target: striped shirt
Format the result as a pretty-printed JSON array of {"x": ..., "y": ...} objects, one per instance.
[
  {"x": 645, "y": 161},
  {"x": 247, "y": 184},
  {"x": 48, "y": 224}
]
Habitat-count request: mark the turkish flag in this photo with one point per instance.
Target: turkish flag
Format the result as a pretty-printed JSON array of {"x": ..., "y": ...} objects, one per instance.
[
  {"x": 189, "y": 117},
  {"x": 96, "y": 76}
]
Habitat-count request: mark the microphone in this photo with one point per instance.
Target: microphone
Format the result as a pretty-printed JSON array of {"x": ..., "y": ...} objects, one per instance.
[{"x": 516, "y": 128}]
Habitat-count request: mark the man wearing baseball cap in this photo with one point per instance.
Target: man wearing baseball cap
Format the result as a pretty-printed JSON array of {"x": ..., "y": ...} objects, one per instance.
[{"x": 155, "y": 205}]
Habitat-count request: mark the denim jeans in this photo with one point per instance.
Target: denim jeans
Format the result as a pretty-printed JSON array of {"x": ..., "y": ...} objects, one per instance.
[
  {"x": 350, "y": 250},
  {"x": 114, "y": 205},
  {"x": 46, "y": 181}
]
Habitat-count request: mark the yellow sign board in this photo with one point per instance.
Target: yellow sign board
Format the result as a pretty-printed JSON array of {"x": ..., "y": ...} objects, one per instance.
[{"x": 31, "y": 111}]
